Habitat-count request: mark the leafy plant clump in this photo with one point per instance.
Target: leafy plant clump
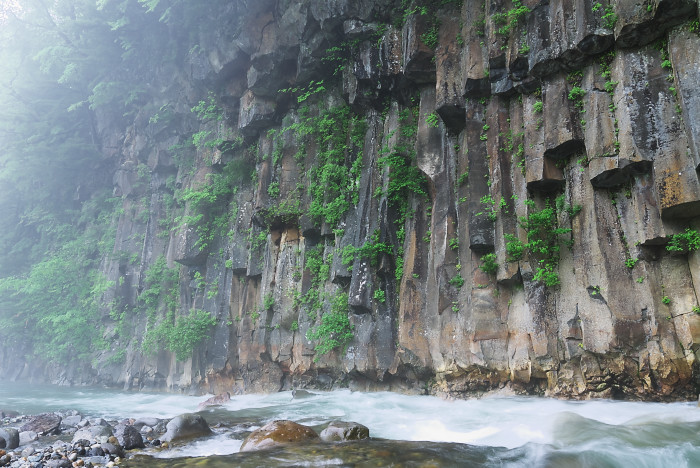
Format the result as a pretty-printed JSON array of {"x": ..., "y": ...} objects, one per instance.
[
  {"x": 685, "y": 242},
  {"x": 338, "y": 135},
  {"x": 488, "y": 264},
  {"x": 180, "y": 335},
  {"x": 543, "y": 237},
  {"x": 509, "y": 20},
  {"x": 335, "y": 330}
]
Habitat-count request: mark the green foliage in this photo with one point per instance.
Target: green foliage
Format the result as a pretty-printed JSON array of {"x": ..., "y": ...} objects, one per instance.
[
  {"x": 685, "y": 242},
  {"x": 490, "y": 208},
  {"x": 694, "y": 26},
  {"x": 273, "y": 190},
  {"x": 335, "y": 330},
  {"x": 160, "y": 288},
  {"x": 338, "y": 136},
  {"x": 538, "y": 106},
  {"x": 180, "y": 335},
  {"x": 463, "y": 178},
  {"x": 56, "y": 300},
  {"x": 268, "y": 301},
  {"x": 543, "y": 236},
  {"x": 372, "y": 250},
  {"x": 208, "y": 109},
  {"x": 305, "y": 92},
  {"x": 379, "y": 296},
  {"x": 665, "y": 299},
  {"x": 432, "y": 119},
  {"x": 453, "y": 243},
  {"x": 430, "y": 37},
  {"x": 488, "y": 264},
  {"x": 57, "y": 297},
  {"x": 576, "y": 94},
  {"x": 631, "y": 262},
  {"x": 609, "y": 17},
  {"x": 209, "y": 203},
  {"x": 457, "y": 280},
  {"x": 514, "y": 248},
  {"x": 509, "y": 20}
]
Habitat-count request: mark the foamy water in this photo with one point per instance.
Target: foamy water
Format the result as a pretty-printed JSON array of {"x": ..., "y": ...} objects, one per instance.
[{"x": 543, "y": 430}]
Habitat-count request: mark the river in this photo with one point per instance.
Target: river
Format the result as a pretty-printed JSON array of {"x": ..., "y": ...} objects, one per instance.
[{"x": 503, "y": 431}]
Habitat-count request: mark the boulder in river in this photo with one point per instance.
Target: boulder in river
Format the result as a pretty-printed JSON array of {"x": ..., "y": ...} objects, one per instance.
[
  {"x": 130, "y": 438},
  {"x": 4, "y": 413},
  {"x": 276, "y": 433},
  {"x": 112, "y": 449},
  {"x": 43, "y": 424},
  {"x": 9, "y": 438},
  {"x": 72, "y": 421},
  {"x": 27, "y": 436},
  {"x": 139, "y": 423},
  {"x": 92, "y": 433},
  {"x": 341, "y": 431},
  {"x": 216, "y": 400},
  {"x": 186, "y": 426},
  {"x": 58, "y": 463}
]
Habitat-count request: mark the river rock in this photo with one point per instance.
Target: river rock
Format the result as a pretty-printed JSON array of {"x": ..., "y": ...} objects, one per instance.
[
  {"x": 98, "y": 422},
  {"x": 151, "y": 422},
  {"x": 4, "y": 413},
  {"x": 216, "y": 400},
  {"x": 278, "y": 433},
  {"x": 341, "y": 431},
  {"x": 72, "y": 421},
  {"x": 9, "y": 438},
  {"x": 60, "y": 463},
  {"x": 27, "y": 436},
  {"x": 130, "y": 438},
  {"x": 186, "y": 426},
  {"x": 92, "y": 433},
  {"x": 43, "y": 424},
  {"x": 113, "y": 449}
]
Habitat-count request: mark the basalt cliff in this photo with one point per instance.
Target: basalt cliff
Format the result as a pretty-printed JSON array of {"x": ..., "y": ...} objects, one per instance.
[{"x": 448, "y": 197}]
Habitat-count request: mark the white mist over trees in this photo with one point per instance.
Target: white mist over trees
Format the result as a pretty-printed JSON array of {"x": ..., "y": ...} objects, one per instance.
[{"x": 70, "y": 68}]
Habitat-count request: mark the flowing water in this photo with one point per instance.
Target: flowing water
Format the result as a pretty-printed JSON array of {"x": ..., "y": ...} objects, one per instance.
[{"x": 406, "y": 430}]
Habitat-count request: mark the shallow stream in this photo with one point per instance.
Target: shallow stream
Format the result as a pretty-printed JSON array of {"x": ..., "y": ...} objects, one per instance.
[{"x": 406, "y": 430}]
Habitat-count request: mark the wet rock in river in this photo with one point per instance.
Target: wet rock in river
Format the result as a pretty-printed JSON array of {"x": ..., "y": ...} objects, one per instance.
[
  {"x": 72, "y": 421},
  {"x": 60, "y": 463},
  {"x": 27, "y": 436},
  {"x": 113, "y": 449},
  {"x": 278, "y": 433},
  {"x": 92, "y": 433},
  {"x": 186, "y": 426},
  {"x": 216, "y": 400},
  {"x": 43, "y": 424},
  {"x": 130, "y": 438},
  {"x": 341, "y": 431},
  {"x": 9, "y": 438}
]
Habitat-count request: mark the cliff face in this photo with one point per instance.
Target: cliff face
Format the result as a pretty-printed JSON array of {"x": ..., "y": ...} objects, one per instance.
[{"x": 486, "y": 190}]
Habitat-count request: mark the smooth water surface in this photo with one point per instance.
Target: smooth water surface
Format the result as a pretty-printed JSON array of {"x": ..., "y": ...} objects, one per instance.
[{"x": 492, "y": 431}]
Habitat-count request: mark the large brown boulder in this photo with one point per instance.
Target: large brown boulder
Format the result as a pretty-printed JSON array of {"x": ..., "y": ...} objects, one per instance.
[{"x": 278, "y": 433}]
